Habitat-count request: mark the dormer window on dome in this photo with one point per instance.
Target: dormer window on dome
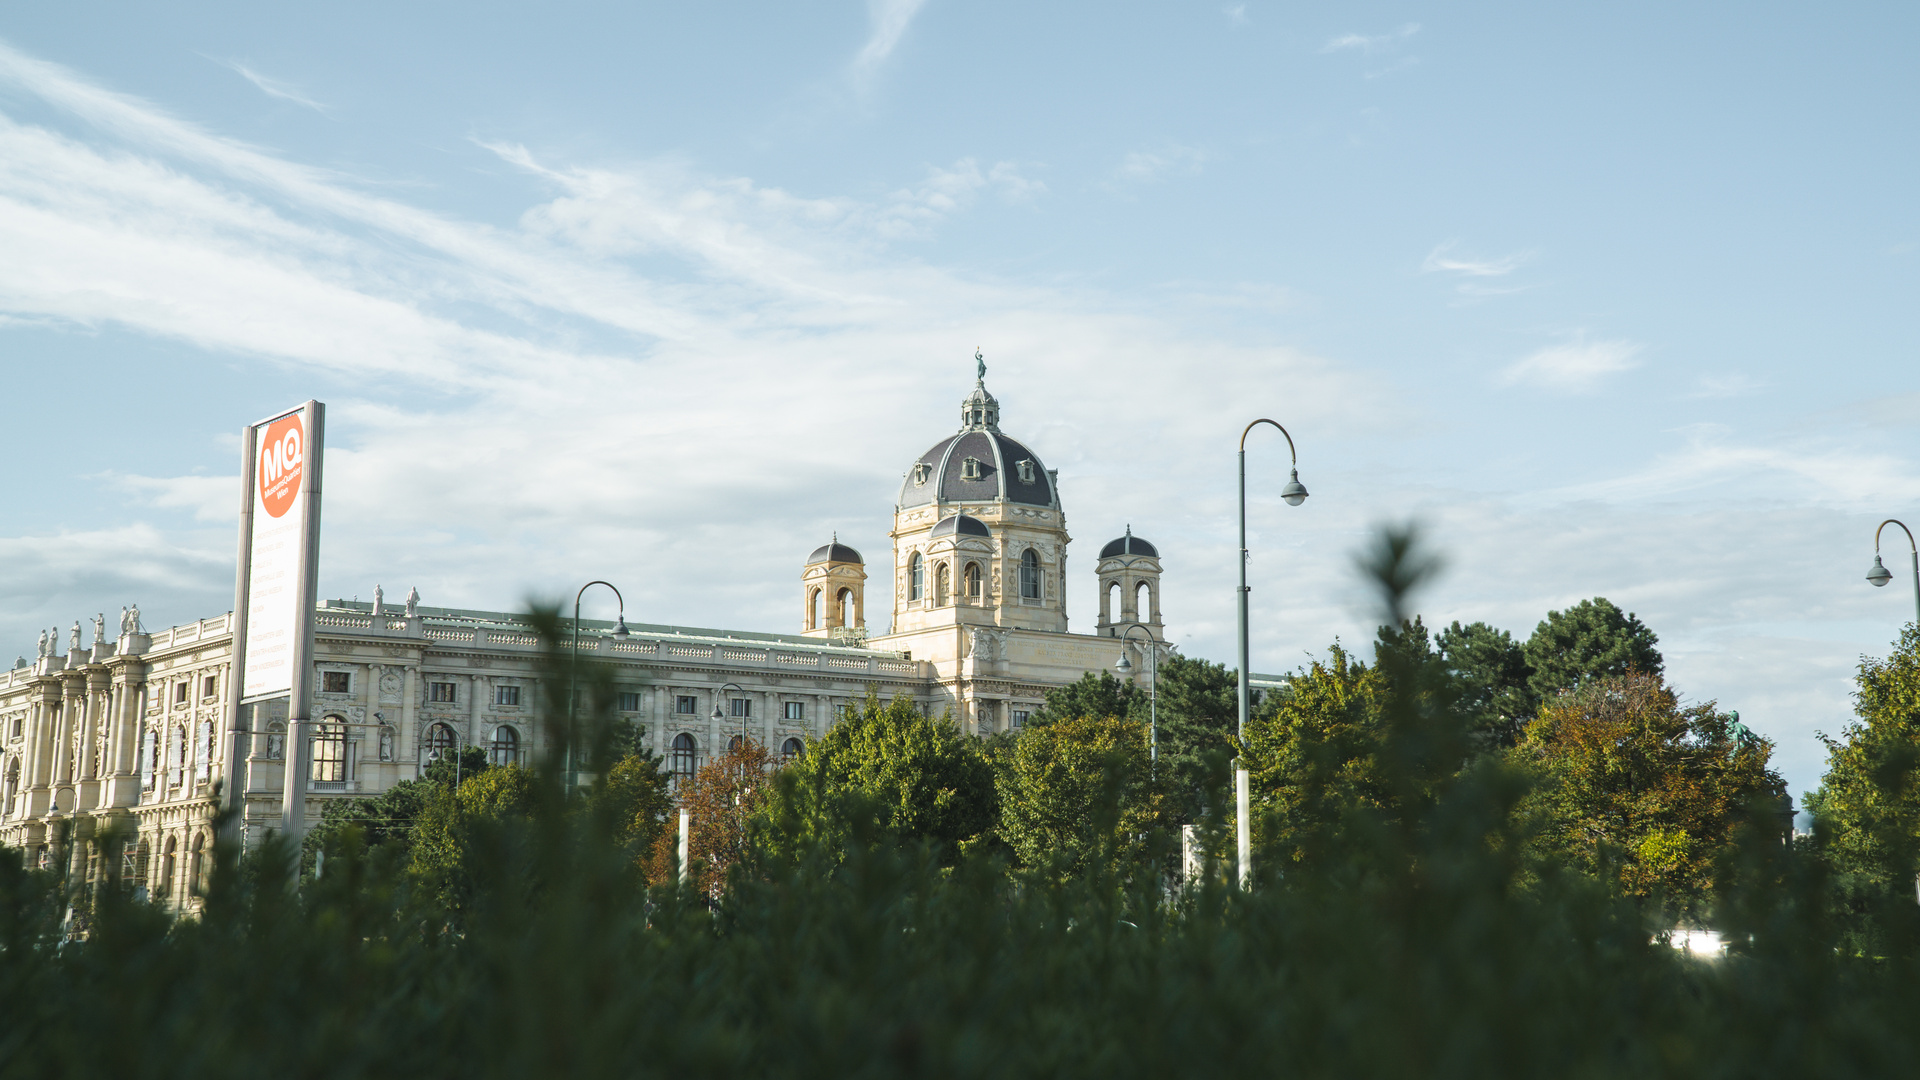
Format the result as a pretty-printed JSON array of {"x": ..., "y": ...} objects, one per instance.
[
  {"x": 921, "y": 470},
  {"x": 1025, "y": 468},
  {"x": 971, "y": 469}
]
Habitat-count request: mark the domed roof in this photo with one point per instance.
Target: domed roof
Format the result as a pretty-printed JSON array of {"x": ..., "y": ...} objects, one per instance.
[
  {"x": 1129, "y": 545},
  {"x": 979, "y": 463},
  {"x": 960, "y": 525},
  {"x": 835, "y": 551}
]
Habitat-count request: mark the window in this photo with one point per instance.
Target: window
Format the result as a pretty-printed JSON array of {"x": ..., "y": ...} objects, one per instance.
[
  {"x": 13, "y": 786},
  {"x": 846, "y": 608},
  {"x": 972, "y": 581},
  {"x": 196, "y": 868},
  {"x": 440, "y": 740},
  {"x": 940, "y": 585},
  {"x": 336, "y": 682},
  {"x": 1143, "y": 603},
  {"x": 796, "y": 710},
  {"x": 921, "y": 470},
  {"x": 1019, "y": 719},
  {"x": 740, "y": 706},
  {"x": 816, "y": 609},
  {"x": 734, "y": 744},
  {"x": 1029, "y": 575},
  {"x": 165, "y": 886},
  {"x": 506, "y": 694},
  {"x": 440, "y": 692},
  {"x": 685, "y": 705},
  {"x": 970, "y": 469},
  {"x": 209, "y": 685},
  {"x": 329, "y": 752},
  {"x": 149, "y": 743},
  {"x": 506, "y": 746},
  {"x": 915, "y": 570},
  {"x": 680, "y": 758},
  {"x": 1024, "y": 468},
  {"x": 180, "y": 693},
  {"x": 203, "y": 751},
  {"x": 629, "y": 702},
  {"x": 791, "y": 749}
]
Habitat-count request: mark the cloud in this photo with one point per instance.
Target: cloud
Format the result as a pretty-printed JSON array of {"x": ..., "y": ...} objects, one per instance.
[
  {"x": 1152, "y": 166},
  {"x": 1236, "y": 15},
  {"x": 1731, "y": 385},
  {"x": 1574, "y": 367},
  {"x": 275, "y": 88},
  {"x": 1442, "y": 260},
  {"x": 1371, "y": 44},
  {"x": 887, "y": 22}
]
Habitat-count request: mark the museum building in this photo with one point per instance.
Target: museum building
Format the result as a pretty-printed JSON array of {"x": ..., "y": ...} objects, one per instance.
[{"x": 129, "y": 732}]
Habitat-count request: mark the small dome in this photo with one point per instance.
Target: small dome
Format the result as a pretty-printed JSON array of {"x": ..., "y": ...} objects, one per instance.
[
  {"x": 960, "y": 525},
  {"x": 1129, "y": 545},
  {"x": 835, "y": 551}
]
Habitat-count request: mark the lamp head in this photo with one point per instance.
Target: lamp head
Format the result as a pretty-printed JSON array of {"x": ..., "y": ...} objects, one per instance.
[
  {"x": 620, "y": 627},
  {"x": 1125, "y": 666},
  {"x": 1879, "y": 575},
  {"x": 1295, "y": 492},
  {"x": 717, "y": 714}
]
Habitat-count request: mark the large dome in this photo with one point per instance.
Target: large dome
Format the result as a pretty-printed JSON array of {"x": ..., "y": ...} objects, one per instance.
[{"x": 979, "y": 463}]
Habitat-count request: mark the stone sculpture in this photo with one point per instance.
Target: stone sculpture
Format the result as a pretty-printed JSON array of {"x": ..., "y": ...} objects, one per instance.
[
  {"x": 379, "y": 601},
  {"x": 413, "y": 601},
  {"x": 73, "y": 638},
  {"x": 100, "y": 628}
]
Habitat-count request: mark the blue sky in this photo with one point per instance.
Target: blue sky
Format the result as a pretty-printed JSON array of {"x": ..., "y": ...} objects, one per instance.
[{"x": 1616, "y": 300}]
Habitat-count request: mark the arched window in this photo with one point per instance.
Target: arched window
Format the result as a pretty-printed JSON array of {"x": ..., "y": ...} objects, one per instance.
[
  {"x": 816, "y": 609},
  {"x": 1030, "y": 575},
  {"x": 13, "y": 787},
  {"x": 1143, "y": 602},
  {"x": 149, "y": 755},
  {"x": 972, "y": 581},
  {"x": 846, "y": 608},
  {"x": 915, "y": 576},
  {"x": 440, "y": 741},
  {"x": 329, "y": 752},
  {"x": 681, "y": 761},
  {"x": 168, "y": 854},
  {"x": 734, "y": 744},
  {"x": 940, "y": 585},
  {"x": 196, "y": 867},
  {"x": 1110, "y": 603},
  {"x": 506, "y": 746},
  {"x": 791, "y": 749},
  {"x": 142, "y": 858}
]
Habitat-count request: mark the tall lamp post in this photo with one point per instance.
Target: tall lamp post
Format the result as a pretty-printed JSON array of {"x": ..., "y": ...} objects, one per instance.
[
  {"x": 1125, "y": 667},
  {"x": 1880, "y": 575},
  {"x": 1294, "y": 493},
  {"x": 719, "y": 716},
  {"x": 573, "y": 671}
]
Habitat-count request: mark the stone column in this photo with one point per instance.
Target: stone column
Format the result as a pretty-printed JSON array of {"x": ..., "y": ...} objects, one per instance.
[
  {"x": 473, "y": 709},
  {"x": 409, "y": 708}
]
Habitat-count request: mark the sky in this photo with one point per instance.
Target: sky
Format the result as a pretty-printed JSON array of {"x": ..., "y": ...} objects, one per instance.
[{"x": 1610, "y": 299}]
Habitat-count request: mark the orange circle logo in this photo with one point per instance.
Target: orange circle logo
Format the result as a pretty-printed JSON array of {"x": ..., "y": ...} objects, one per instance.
[{"x": 282, "y": 451}]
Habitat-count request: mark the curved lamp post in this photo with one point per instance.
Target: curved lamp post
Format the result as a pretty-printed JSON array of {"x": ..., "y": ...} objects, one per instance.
[
  {"x": 1880, "y": 575},
  {"x": 1294, "y": 493},
  {"x": 719, "y": 716},
  {"x": 1125, "y": 667},
  {"x": 573, "y": 669}
]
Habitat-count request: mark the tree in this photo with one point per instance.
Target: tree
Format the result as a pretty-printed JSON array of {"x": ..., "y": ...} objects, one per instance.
[
  {"x": 1491, "y": 677},
  {"x": 631, "y": 802},
  {"x": 1591, "y": 640},
  {"x": 917, "y": 777},
  {"x": 1076, "y": 795},
  {"x": 1868, "y": 804},
  {"x": 1199, "y": 711},
  {"x": 1641, "y": 790},
  {"x": 1312, "y": 754},
  {"x": 1093, "y": 694},
  {"x": 724, "y": 796},
  {"x": 390, "y": 817},
  {"x": 496, "y": 799}
]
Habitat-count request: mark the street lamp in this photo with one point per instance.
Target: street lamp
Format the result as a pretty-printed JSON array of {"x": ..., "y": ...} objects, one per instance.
[
  {"x": 1294, "y": 493},
  {"x": 573, "y": 668},
  {"x": 1880, "y": 575},
  {"x": 719, "y": 716},
  {"x": 1125, "y": 667}
]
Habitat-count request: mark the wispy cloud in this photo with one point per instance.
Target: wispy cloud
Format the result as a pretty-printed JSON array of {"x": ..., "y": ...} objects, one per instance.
[
  {"x": 887, "y": 22},
  {"x": 275, "y": 88},
  {"x": 1152, "y": 166},
  {"x": 1236, "y": 15},
  {"x": 1731, "y": 385},
  {"x": 1371, "y": 43},
  {"x": 1442, "y": 260},
  {"x": 1575, "y": 367}
]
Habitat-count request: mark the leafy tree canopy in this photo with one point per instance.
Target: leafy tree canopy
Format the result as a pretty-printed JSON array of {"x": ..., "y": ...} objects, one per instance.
[
  {"x": 1868, "y": 804},
  {"x": 1312, "y": 753},
  {"x": 1493, "y": 681},
  {"x": 1093, "y": 694},
  {"x": 1076, "y": 796},
  {"x": 1591, "y": 640},
  {"x": 914, "y": 776},
  {"x": 1641, "y": 789},
  {"x": 1198, "y": 712}
]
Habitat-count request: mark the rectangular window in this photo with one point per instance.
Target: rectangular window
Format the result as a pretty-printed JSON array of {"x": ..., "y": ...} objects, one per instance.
[
  {"x": 629, "y": 702},
  {"x": 1019, "y": 719},
  {"x": 740, "y": 707},
  {"x": 685, "y": 705},
  {"x": 441, "y": 692},
  {"x": 208, "y": 685},
  {"x": 336, "y": 682},
  {"x": 796, "y": 710},
  {"x": 505, "y": 695},
  {"x": 180, "y": 693}
]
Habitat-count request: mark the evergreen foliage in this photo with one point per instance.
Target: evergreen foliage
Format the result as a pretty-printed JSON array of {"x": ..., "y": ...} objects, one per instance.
[
  {"x": 1590, "y": 640},
  {"x": 1077, "y": 798}
]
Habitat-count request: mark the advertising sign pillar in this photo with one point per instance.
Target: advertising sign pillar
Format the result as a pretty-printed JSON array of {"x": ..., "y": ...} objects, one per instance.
[{"x": 274, "y": 590}]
